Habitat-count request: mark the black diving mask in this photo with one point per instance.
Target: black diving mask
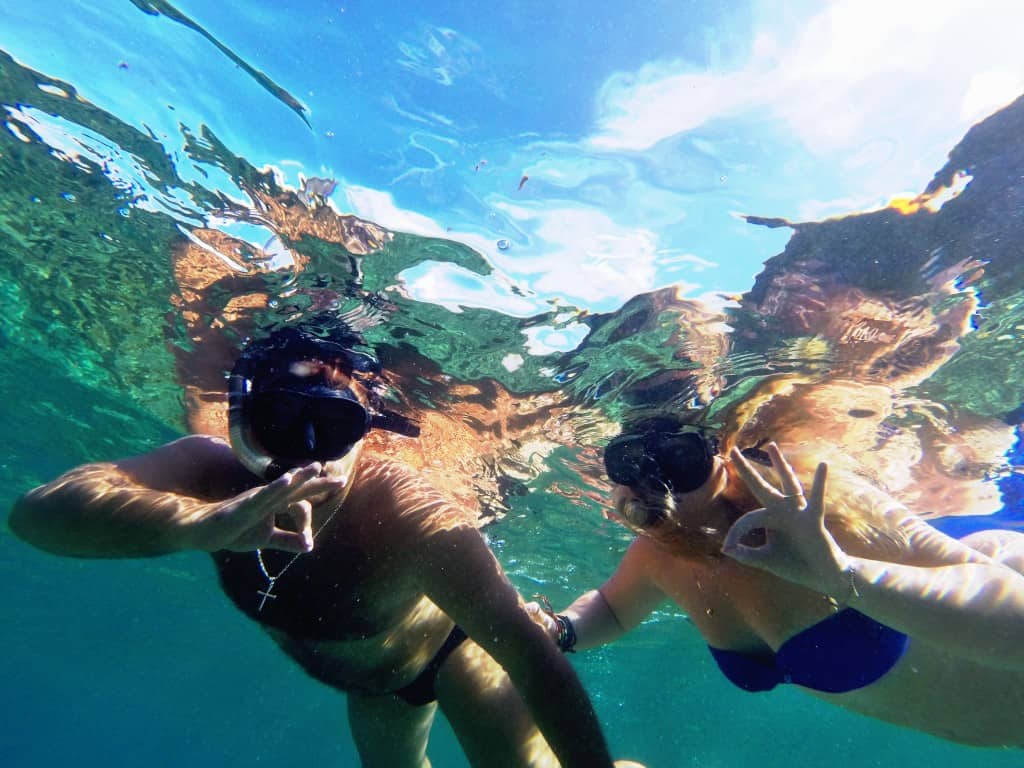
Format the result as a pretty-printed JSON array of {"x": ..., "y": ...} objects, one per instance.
[
  {"x": 298, "y": 427},
  {"x": 678, "y": 460},
  {"x": 292, "y": 405}
]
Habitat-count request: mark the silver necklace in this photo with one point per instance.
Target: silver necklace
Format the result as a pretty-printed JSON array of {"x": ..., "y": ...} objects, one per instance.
[{"x": 268, "y": 593}]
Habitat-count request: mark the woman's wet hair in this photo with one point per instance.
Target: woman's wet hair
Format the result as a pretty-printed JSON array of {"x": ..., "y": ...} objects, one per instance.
[{"x": 654, "y": 515}]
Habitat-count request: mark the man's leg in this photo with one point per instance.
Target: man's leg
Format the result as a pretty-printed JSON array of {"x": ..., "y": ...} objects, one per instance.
[
  {"x": 388, "y": 732},
  {"x": 487, "y": 714}
]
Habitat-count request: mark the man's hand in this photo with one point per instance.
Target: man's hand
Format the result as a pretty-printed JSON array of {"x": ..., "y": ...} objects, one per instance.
[{"x": 249, "y": 520}]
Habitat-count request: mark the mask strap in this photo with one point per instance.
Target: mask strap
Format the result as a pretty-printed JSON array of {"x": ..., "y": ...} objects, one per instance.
[{"x": 394, "y": 422}]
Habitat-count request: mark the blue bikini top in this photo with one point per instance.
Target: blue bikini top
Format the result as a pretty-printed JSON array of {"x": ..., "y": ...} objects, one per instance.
[{"x": 844, "y": 652}]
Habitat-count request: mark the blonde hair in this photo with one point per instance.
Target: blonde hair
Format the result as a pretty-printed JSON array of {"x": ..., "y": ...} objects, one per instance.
[
  {"x": 654, "y": 515},
  {"x": 864, "y": 519}
]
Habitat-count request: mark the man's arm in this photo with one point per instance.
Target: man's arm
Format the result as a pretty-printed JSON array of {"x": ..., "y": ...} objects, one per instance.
[
  {"x": 464, "y": 579},
  {"x": 161, "y": 502}
]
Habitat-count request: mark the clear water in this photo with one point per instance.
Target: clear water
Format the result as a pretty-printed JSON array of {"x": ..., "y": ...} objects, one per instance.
[{"x": 641, "y": 135}]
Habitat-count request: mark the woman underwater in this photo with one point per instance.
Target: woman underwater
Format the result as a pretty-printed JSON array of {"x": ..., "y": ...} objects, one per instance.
[{"x": 838, "y": 589}]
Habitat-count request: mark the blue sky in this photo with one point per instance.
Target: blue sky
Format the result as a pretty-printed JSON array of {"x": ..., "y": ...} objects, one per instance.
[{"x": 643, "y": 131}]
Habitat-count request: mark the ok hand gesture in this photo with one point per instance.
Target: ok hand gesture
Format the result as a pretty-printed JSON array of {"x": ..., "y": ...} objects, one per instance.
[
  {"x": 249, "y": 521},
  {"x": 797, "y": 546}
]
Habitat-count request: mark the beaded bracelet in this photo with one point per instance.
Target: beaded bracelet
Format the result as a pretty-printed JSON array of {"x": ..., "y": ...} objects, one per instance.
[
  {"x": 566, "y": 639},
  {"x": 851, "y": 574}
]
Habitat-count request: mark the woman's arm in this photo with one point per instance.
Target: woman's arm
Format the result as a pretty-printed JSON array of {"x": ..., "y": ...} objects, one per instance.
[
  {"x": 159, "y": 503},
  {"x": 947, "y": 594},
  {"x": 975, "y": 610},
  {"x": 604, "y": 615}
]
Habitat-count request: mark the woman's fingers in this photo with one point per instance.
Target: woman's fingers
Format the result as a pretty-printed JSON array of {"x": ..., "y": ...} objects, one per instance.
[
  {"x": 816, "y": 504},
  {"x": 787, "y": 478},
  {"x": 763, "y": 519},
  {"x": 761, "y": 489},
  {"x": 744, "y": 553},
  {"x": 543, "y": 619},
  {"x": 764, "y": 491}
]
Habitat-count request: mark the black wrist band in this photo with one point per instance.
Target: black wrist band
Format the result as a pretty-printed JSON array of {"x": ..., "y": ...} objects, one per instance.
[{"x": 566, "y": 634}]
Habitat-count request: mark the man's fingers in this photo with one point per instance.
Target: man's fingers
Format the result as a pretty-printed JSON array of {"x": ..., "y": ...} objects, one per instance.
[
  {"x": 281, "y": 490},
  {"x": 541, "y": 617},
  {"x": 317, "y": 486},
  {"x": 298, "y": 484},
  {"x": 301, "y": 512},
  {"x": 288, "y": 541}
]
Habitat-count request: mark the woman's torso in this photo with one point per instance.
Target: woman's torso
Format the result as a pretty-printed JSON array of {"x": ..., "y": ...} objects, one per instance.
[{"x": 738, "y": 609}]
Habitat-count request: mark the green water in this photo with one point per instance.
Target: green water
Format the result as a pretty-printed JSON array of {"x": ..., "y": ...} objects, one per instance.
[{"x": 143, "y": 663}]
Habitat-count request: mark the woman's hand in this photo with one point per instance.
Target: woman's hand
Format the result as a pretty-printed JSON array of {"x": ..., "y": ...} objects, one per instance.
[
  {"x": 544, "y": 617},
  {"x": 249, "y": 521},
  {"x": 797, "y": 545}
]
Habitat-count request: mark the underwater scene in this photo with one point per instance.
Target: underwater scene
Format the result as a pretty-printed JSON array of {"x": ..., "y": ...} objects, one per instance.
[{"x": 683, "y": 232}]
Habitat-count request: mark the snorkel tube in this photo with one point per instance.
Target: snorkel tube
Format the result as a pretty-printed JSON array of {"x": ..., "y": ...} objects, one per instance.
[{"x": 281, "y": 416}]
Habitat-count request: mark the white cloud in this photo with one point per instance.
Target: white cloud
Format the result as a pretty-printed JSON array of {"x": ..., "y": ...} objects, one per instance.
[
  {"x": 543, "y": 340},
  {"x": 583, "y": 255},
  {"x": 859, "y": 71},
  {"x": 990, "y": 90},
  {"x": 379, "y": 207},
  {"x": 456, "y": 288},
  {"x": 672, "y": 260},
  {"x": 574, "y": 253}
]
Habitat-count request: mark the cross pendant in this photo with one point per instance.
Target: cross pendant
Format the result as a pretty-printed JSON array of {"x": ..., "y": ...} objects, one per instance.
[{"x": 267, "y": 593}]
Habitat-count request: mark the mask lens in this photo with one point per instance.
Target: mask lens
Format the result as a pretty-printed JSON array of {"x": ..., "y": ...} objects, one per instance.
[
  {"x": 684, "y": 460},
  {"x": 296, "y": 428},
  {"x": 626, "y": 460}
]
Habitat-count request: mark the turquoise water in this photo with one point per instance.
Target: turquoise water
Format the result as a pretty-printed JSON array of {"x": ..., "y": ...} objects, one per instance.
[{"x": 645, "y": 139}]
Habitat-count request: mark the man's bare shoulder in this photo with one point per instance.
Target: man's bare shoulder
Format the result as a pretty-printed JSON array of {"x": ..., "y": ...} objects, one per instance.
[{"x": 400, "y": 492}]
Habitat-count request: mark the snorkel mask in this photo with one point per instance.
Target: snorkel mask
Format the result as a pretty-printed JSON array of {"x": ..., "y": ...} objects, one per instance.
[
  {"x": 661, "y": 456},
  {"x": 291, "y": 403}
]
